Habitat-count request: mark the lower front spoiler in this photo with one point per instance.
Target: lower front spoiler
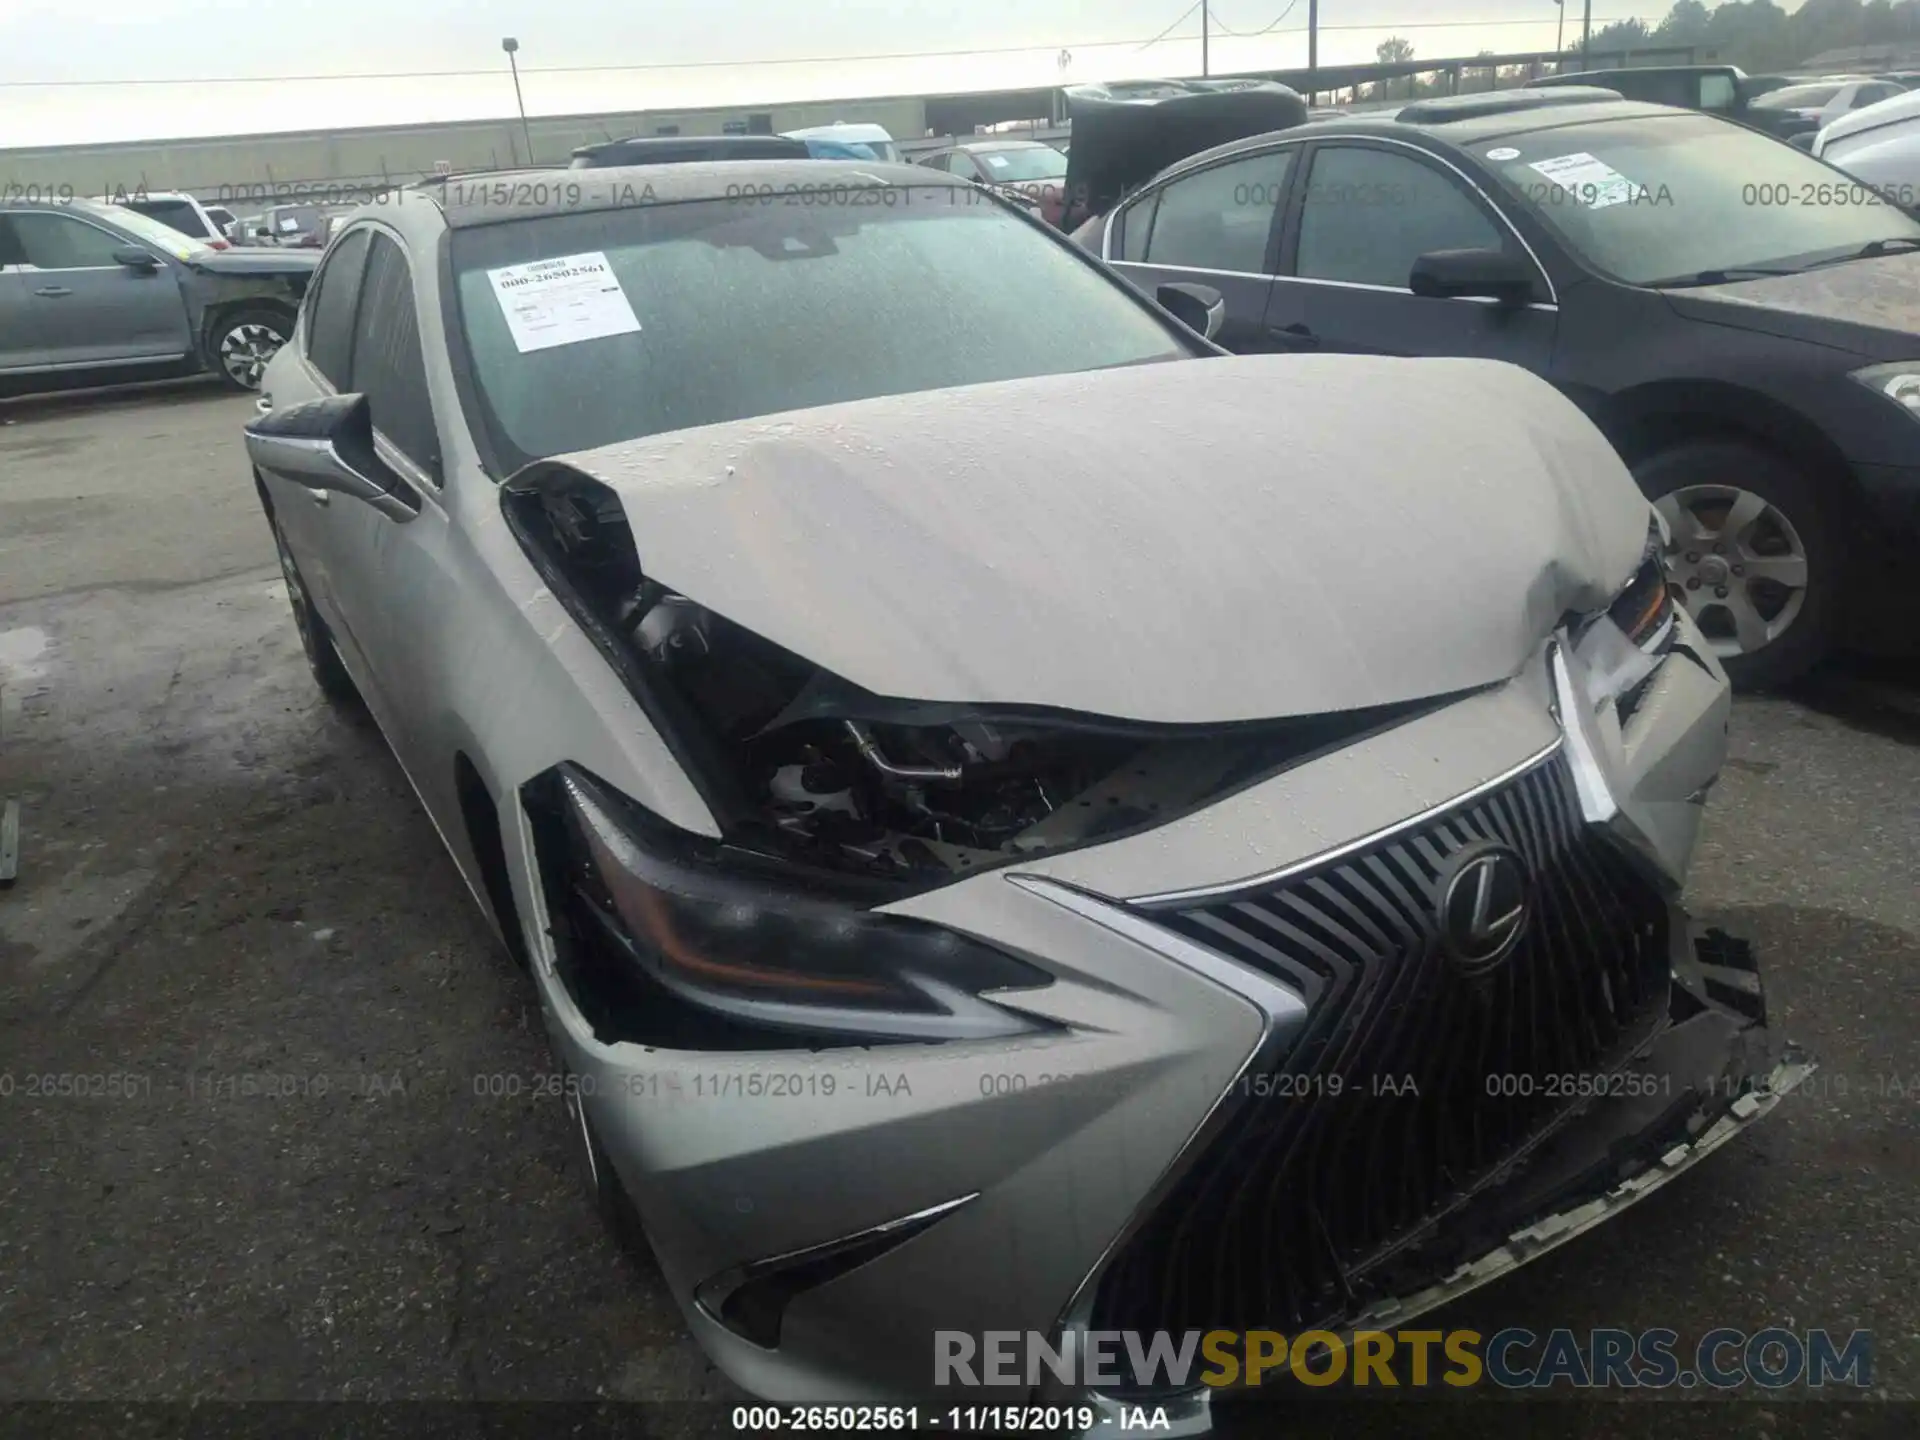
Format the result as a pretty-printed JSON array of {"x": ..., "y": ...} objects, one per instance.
[{"x": 1715, "y": 1071}]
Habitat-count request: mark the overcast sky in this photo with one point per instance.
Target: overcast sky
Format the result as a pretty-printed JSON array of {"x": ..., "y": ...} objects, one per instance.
[{"x": 73, "y": 73}]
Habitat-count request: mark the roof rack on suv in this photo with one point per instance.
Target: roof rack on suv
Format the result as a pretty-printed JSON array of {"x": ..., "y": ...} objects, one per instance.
[{"x": 1500, "y": 102}]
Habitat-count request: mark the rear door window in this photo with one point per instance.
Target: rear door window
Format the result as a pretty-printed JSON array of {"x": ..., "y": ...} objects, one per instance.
[{"x": 1218, "y": 219}]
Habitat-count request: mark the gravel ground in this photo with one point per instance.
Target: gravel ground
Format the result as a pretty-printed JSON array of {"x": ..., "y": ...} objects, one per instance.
[{"x": 223, "y": 886}]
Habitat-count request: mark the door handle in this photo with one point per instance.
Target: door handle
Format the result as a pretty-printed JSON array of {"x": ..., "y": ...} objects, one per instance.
[
  {"x": 1295, "y": 336},
  {"x": 319, "y": 497},
  {"x": 53, "y": 292}
]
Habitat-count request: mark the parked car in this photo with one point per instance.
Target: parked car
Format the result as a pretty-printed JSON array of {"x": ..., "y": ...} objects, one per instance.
[
  {"x": 1879, "y": 145},
  {"x": 830, "y": 761},
  {"x": 686, "y": 149},
  {"x": 1803, "y": 109},
  {"x": 178, "y": 212},
  {"x": 1035, "y": 172},
  {"x": 98, "y": 292},
  {"x": 1779, "y": 104},
  {"x": 874, "y": 139},
  {"x": 1734, "y": 315}
]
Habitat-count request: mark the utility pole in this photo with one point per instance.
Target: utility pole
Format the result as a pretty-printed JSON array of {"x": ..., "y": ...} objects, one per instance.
[
  {"x": 1206, "y": 11},
  {"x": 1313, "y": 45},
  {"x": 1586, "y": 37},
  {"x": 1559, "y": 26},
  {"x": 510, "y": 45}
]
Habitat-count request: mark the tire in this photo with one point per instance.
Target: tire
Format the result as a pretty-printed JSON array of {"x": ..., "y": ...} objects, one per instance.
[
  {"x": 322, "y": 658},
  {"x": 1756, "y": 555},
  {"x": 241, "y": 342}
]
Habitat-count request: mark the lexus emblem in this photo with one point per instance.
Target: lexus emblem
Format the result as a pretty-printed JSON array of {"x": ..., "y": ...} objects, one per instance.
[{"x": 1484, "y": 904}]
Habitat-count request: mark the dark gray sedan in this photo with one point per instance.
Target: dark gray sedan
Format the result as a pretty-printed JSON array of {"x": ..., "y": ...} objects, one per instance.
[{"x": 97, "y": 293}]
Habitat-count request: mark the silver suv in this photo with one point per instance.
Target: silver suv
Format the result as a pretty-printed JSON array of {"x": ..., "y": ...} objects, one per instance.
[{"x": 96, "y": 293}]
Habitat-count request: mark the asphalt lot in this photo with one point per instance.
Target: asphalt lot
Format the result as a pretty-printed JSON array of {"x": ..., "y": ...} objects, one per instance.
[{"x": 222, "y": 883}]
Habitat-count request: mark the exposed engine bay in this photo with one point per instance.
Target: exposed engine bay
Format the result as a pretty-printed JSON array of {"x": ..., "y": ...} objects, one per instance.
[{"x": 805, "y": 766}]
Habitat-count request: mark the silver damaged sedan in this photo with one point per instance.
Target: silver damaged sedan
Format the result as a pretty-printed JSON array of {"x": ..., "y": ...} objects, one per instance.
[{"x": 1013, "y": 830}]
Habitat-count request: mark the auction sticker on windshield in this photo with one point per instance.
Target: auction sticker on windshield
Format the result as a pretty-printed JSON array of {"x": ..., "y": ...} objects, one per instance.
[
  {"x": 562, "y": 301},
  {"x": 1592, "y": 182}
]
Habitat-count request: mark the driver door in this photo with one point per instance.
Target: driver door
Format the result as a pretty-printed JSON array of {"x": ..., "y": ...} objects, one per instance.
[{"x": 1365, "y": 213}]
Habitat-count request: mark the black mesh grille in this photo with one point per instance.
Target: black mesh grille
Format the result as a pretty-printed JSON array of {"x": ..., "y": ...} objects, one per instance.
[{"x": 1333, "y": 1178}]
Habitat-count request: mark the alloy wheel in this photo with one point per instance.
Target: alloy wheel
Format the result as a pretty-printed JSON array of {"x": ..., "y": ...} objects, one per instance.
[
  {"x": 246, "y": 349},
  {"x": 1737, "y": 563}
]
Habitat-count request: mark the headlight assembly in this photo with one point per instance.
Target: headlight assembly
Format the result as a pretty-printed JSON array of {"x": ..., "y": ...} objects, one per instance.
[
  {"x": 761, "y": 960},
  {"x": 1619, "y": 647},
  {"x": 1898, "y": 382}
]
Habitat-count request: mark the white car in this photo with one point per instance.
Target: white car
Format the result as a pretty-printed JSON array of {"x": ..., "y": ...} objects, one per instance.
[
  {"x": 874, "y": 139},
  {"x": 951, "y": 761},
  {"x": 177, "y": 211},
  {"x": 1879, "y": 145}
]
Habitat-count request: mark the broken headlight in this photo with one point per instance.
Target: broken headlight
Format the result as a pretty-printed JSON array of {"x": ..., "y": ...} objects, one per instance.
[
  {"x": 766, "y": 957},
  {"x": 1620, "y": 646}
]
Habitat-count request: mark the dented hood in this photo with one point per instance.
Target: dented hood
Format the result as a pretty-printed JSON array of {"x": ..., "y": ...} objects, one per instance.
[{"x": 1180, "y": 542}]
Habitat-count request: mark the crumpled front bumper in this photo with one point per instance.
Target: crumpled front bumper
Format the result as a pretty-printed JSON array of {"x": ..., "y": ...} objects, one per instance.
[{"x": 988, "y": 1191}]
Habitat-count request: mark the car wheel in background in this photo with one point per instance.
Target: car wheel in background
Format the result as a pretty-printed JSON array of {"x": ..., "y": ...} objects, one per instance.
[
  {"x": 322, "y": 658},
  {"x": 244, "y": 341},
  {"x": 1754, "y": 555}
]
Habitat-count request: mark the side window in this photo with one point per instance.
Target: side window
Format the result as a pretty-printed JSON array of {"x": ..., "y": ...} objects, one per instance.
[
  {"x": 1135, "y": 226},
  {"x": 1219, "y": 219},
  {"x": 11, "y": 252},
  {"x": 1716, "y": 93},
  {"x": 330, "y": 309},
  {"x": 387, "y": 364},
  {"x": 963, "y": 165},
  {"x": 1369, "y": 214},
  {"x": 59, "y": 242},
  {"x": 938, "y": 162},
  {"x": 1874, "y": 94}
]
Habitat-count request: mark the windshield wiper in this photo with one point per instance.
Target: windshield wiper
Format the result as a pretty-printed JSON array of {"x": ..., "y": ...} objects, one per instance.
[
  {"x": 1720, "y": 277},
  {"x": 1872, "y": 250}
]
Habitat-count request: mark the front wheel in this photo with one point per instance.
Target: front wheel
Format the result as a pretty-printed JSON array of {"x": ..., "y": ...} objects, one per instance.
[
  {"x": 1755, "y": 556},
  {"x": 242, "y": 343}
]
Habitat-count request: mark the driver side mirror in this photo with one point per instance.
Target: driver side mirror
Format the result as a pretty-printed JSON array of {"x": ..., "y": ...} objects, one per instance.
[
  {"x": 327, "y": 446},
  {"x": 1472, "y": 274},
  {"x": 135, "y": 258},
  {"x": 1201, "y": 308}
]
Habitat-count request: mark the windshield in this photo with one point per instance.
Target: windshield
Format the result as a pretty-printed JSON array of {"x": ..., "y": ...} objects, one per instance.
[
  {"x": 1041, "y": 162},
  {"x": 1797, "y": 97},
  {"x": 1662, "y": 198},
  {"x": 665, "y": 317},
  {"x": 156, "y": 233}
]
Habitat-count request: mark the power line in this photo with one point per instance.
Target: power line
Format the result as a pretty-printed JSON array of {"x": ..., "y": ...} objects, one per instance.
[
  {"x": 1598, "y": 21},
  {"x": 1173, "y": 27},
  {"x": 1265, "y": 30}
]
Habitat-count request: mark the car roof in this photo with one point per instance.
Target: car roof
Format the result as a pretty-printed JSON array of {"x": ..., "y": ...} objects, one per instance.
[
  {"x": 667, "y": 149},
  {"x": 532, "y": 194},
  {"x": 1003, "y": 145},
  {"x": 1469, "y": 129},
  {"x": 1896, "y": 110}
]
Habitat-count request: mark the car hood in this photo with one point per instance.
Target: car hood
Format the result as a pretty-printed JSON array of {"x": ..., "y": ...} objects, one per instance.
[
  {"x": 256, "y": 260},
  {"x": 1865, "y": 307},
  {"x": 1249, "y": 538}
]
